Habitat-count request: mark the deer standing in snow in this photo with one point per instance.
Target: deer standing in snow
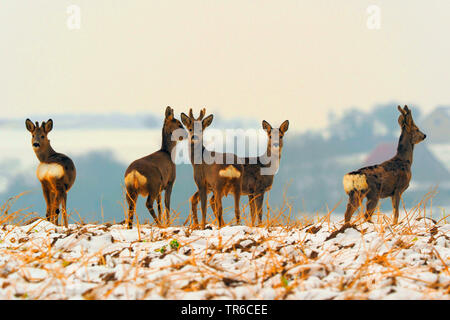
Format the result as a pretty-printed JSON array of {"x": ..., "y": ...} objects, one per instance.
[
  {"x": 218, "y": 178},
  {"x": 151, "y": 175},
  {"x": 56, "y": 171},
  {"x": 388, "y": 179},
  {"x": 256, "y": 182}
]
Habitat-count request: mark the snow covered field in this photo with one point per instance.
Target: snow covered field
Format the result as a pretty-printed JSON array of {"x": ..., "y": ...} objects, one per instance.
[{"x": 301, "y": 261}]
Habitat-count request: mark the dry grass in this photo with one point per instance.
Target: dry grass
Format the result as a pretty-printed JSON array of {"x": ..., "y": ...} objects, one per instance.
[{"x": 288, "y": 257}]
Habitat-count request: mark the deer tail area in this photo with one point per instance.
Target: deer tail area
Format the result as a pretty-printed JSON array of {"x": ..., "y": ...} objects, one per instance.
[
  {"x": 135, "y": 180},
  {"x": 230, "y": 172},
  {"x": 355, "y": 182}
]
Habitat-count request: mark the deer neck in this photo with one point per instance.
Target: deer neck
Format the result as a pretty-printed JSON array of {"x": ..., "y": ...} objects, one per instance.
[
  {"x": 167, "y": 144},
  {"x": 269, "y": 152},
  {"x": 43, "y": 154},
  {"x": 268, "y": 158},
  {"x": 196, "y": 152},
  {"x": 405, "y": 147}
]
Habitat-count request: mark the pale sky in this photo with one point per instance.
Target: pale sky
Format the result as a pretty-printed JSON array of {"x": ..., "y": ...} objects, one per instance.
[{"x": 272, "y": 60}]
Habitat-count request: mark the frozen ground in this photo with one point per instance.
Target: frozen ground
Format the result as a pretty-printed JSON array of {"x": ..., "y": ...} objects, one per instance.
[{"x": 373, "y": 261}]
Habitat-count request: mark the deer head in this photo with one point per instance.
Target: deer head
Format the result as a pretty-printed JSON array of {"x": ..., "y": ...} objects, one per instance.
[
  {"x": 39, "y": 139},
  {"x": 408, "y": 126},
  {"x": 275, "y": 136},
  {"x": 173, "y": 127},
  {"x": 196, "y": 126}
]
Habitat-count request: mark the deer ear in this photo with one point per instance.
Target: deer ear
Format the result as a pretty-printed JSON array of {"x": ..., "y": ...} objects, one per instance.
[
  {"x": 191, "y": 114},
  {"x": 407, "y": 109},
  {"x": 169, "y": 113},
  {"x": 284, "y": 126},
  {"x": 401, "y": 120},
  {"x": 266, "y": 126},
  {"x": 185, "y": 119},
  {"x": 207, "y": 121},
  {"x": 401, "y": 110},
  {"x": 30, "y": 125},
  {"x": 48, "y": 126}
]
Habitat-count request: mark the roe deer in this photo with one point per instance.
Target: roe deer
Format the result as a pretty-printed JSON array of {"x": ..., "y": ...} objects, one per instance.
[
  {"x": 254, "y": 181},
  {"x": 151, "y": 175},
  {"x": 388, "y": 179},
  {"x": 56, "y": 171},
  {"x": 218, "y": 178}
]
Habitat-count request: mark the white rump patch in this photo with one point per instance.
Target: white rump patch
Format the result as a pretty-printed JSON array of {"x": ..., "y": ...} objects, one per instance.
[
  {"x": 230, "y": 172},
  {"x": 355, "y": 182},
  {"x": 49, "y": 171},
  {"x": 135, "y": 179}
]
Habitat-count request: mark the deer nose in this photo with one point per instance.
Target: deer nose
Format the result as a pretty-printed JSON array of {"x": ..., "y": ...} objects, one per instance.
[
  {"x": 36, "y": 145},
  {"x": 424, "y": 135}
]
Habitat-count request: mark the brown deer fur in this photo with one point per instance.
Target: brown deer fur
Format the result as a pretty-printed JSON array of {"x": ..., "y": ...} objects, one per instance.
[
  {"x": 254, "y": 183},
  {"x": 151, "y": 175},
  {"x": 218, "y": 178},
  {"x": 388, "y": 179},
  {"x": 56, "y": 171}
]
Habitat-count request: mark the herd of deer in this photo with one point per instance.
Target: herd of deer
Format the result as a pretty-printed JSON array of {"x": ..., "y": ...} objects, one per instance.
[{"x": 151, "y": 175}]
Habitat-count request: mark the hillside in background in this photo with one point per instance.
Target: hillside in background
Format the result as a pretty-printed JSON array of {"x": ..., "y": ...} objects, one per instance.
[{"x": 310, "y": 177}]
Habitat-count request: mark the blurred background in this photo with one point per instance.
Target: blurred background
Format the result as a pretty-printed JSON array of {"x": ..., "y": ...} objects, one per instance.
[{"x": 104, "y": 71}]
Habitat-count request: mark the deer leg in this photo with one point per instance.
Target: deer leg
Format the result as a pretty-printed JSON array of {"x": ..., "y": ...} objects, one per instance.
[
  {"x": 372, "y": 202},
  {"x": 258, "y": 205},
  {"x": 194, "y": 201},
  {"x": 159, "y": 206},
  {"x": 352, "y": 205},
  {"x": 219, "y": 209},
  {"x": 47, "y": 199},
  {"x": 167, "y": 195},
  {"x": 132, "y": 197},
  {"x": 64, "y": 209},
  {"x": 251, "y": 202},
  {"x": 395, "y": 203},
  {"x": 203, "y": 200},
  {"x": 53, "y": 199},
  {"x": 212, "y": 203},
  {"x": 57, "y": 204},
  {"x": 149, "y": 204},
  {"x": 237, "y": 197}
]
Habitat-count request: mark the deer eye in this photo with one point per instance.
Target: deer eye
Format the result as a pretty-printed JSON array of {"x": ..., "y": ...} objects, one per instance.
[{"x": 42, "y": 137}]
